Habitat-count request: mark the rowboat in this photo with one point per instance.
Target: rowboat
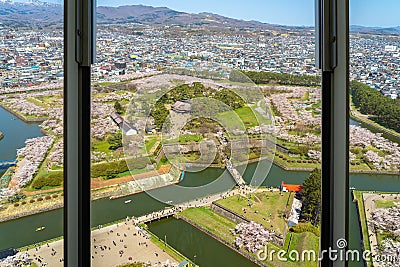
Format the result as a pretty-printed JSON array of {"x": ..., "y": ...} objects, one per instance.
[{"x": 40, "y": 229}]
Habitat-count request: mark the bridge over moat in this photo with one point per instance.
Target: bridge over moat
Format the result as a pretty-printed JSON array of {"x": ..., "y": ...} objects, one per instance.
[{"x": 228, "y": 163}]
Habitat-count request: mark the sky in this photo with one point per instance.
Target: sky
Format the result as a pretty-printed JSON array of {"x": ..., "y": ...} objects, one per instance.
[{"x": 380, "y": 13}]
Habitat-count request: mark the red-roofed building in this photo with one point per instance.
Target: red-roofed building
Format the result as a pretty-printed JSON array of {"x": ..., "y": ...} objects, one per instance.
[{"x": 291, "y": 187}]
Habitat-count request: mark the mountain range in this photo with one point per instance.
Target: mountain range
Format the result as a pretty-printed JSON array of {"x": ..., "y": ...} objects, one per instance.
[{"x": 39, "y": 13}]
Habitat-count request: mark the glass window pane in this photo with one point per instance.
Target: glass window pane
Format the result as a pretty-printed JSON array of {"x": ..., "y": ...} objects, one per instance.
[
  {"x": 31, "y": 128},
  {"x": 374, "y": 131},
  {"x": 211, "y": 114}
]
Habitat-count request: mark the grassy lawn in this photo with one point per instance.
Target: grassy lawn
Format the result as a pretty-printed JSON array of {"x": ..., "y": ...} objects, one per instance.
[
  {"x": 105, "y": 84},
  {"x": 304, "y": 241},
  {"x": 265, "y": 203},
  {"x": 385, "y": 204},
  {"x": 363, "y": 166},
  {"x": 299, "y": 242},
  {"x": 187, "y": 138},
  {"x": 23, "y": 115},
  {"x": 211, "y": 221},
  {"x": 43, "y": 170},
  {"x": 306, "y": 96},
  {"x": 132, "y": 172},
  {"x": 295, "y": 164},
  {"x": 364, "y": 228},
  {"x": 220, "y": 226},
  {"x": 101, "y": 145},
  {"x": 247, "y": 117},
  {"x": 9, "y": 209},
  {"x": 46, "y": 102},
  {"x": 150, "y": 142},
  {"x": 37, "y": 102},
  {"x": 317, "y": 105},
  {"x": 266, "y": 208}
]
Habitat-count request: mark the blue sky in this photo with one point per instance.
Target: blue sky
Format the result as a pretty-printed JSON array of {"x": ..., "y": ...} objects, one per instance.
[
  {"x": 384, "y": 13},
  {"x": 288, "y": 12}
]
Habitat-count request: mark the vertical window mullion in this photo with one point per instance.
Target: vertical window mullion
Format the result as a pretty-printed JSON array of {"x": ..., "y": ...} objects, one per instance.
[
  {"x": 77, "y": 99},
  {"x": 333, "y": 58}
]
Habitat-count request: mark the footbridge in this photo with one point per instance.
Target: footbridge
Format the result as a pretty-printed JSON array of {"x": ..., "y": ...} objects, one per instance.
[{"x": 228, "y": 163}]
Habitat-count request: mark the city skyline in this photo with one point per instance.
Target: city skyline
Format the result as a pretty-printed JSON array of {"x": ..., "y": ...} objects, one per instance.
[{"x": 301, "y": 13}]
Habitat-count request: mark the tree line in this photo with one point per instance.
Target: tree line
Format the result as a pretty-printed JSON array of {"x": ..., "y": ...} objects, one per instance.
[
  {"x": 263, "y": 77},
  {"x": 384, "y": 110},
  {"x": 311, "y": 196}
]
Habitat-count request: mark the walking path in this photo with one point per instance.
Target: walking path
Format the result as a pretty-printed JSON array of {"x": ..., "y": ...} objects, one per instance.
[
  {"x": 111, "y": 246},
  {"x": 205, "y": 201},
  {"x": 228, "y": 163},
  {"x": 123, "y": 242}
]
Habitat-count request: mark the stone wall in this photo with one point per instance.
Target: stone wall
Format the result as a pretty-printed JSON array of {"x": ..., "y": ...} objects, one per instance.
[
  {"x": 237, "y": 218},
  {"x": 233, "y": 216},
  {"x": 241, "y": 252}
]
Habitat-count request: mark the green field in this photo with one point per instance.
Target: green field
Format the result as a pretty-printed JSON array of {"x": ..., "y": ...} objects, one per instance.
[
  {"x": 187, "y": 138},
  {"x": 363, "y": 220},
  {"x": 150, "y": 142},
  {"x": 385, "y": 204},
  {"x": 101, "y": 145},
  {"x": 247, "y": 118},
  {"x": 266, "y": 208},
  {"x": 304, "y": 241},
  {"x": 220, "y": 226},
  {"x": 211, "y": 221}
]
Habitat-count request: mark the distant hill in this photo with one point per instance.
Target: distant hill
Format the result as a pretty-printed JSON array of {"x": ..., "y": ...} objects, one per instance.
[
  {"x": 165, "y": 16},
  {"x": 34, "y": 12},
  {"x": 375, "y": 30},
  {"x": 39, "y": 13}
]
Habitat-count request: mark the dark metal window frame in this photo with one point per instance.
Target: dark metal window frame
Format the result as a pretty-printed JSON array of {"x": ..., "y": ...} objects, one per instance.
[
  {"x": 79, "y": 54},
  {"x": 333, "y": 52},
  {"x": 332, "y": 43}
]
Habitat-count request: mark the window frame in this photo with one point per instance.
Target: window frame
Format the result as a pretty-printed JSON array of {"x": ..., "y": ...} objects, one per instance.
[
  {"x": 78, "y": 50},
  {"x": 332, "y": 40},
  {"x": 77, "y": 85}
]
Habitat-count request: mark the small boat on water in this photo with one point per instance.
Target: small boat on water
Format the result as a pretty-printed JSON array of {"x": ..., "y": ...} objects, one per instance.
[
  {"x": 40, "y": 229},
  {"x": 127, "y": 201},
  {"x": 352, "y": 188}
]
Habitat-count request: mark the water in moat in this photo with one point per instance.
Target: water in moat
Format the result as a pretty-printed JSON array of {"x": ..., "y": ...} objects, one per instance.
[{"x": 15, "y": 133}]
